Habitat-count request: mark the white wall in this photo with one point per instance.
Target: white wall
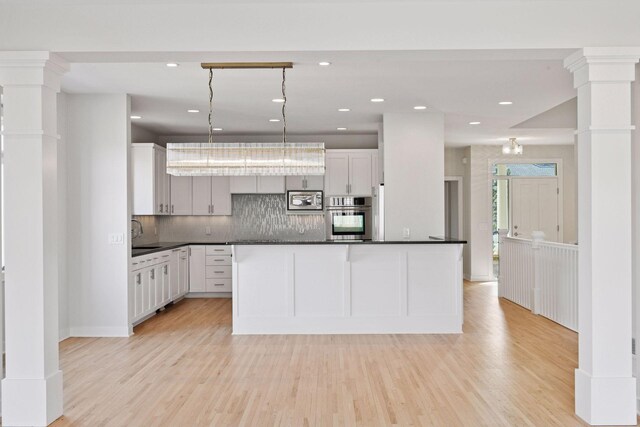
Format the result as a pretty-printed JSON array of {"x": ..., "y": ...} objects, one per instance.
[
  {"x": 454, "y": 166},
  {"x": 414, "y": 175},
  {"x": 478, "y": 266},
  {"x": 98, "y": 137},
  {"x": 140, "y": 134},
  {"x": 635, "y": 218},
  {"x": 315, "y": 25},
  {"x": 63, "y": 281},
  {"x": 364, "y": 141}
]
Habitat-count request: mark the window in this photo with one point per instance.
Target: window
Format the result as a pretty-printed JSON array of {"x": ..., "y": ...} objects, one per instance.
[{"x": 525, "y": 169}]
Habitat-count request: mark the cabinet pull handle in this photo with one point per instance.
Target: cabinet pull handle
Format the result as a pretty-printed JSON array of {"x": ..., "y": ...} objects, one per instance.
[
  {"x": 219, "y": 260},
  {"x": 160, "y": 209},
  {"x": 153, "y": 274},
  {"x": 138, "y": 278},
  {"x": 347, "y": 188},
  {"x": 212, "y": 208},
  {"x": 218, "y": 284},
  {"x": 171, "y": 208},
  {"x": 219, "y": 272},
  {"x": 166, "y": 256},
  {"x": 219, "y": 250}
]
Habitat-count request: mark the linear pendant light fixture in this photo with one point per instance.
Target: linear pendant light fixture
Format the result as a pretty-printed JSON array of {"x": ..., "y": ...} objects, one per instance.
[{"x": 246, "y": 159}]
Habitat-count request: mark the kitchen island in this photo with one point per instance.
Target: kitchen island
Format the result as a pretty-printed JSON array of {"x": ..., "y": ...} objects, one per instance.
[{"x": 347, "y": 287}]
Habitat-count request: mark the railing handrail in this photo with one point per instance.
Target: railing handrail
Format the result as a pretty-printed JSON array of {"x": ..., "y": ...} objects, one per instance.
[{"x": 570, "y": 246}]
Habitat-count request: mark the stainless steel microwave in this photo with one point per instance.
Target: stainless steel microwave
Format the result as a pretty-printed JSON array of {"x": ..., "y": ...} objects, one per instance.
[{"x": 304, "y": 201}]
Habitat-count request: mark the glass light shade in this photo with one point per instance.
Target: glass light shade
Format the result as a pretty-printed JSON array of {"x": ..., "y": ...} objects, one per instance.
[
  {"x": 512, "y": 147},
  {"x": 245, "y": 159}
]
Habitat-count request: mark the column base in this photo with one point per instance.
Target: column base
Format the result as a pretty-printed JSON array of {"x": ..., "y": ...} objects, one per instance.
[
  {"x": 605, "y": 401},
  {"x": 32, "y": 402}
]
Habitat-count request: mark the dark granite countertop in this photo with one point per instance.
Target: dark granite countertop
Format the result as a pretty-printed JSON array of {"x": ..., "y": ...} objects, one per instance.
[{"x": 165, "y": 246}]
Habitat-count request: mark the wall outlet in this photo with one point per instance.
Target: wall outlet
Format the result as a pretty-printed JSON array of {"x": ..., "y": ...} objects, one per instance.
[
  {"x": 207, "y": 231},
  {"x": 116, "y": 239},
  {"x": 406, "y": 233}
]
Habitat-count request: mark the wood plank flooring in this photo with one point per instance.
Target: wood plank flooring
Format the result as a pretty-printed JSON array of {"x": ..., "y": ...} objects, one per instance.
[{"x": 184, "y": 368}]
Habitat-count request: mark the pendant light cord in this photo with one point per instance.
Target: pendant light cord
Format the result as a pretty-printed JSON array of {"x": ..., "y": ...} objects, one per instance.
[
  {"x": 210, "y": 105},
  {"x": 284, "y": 106}
]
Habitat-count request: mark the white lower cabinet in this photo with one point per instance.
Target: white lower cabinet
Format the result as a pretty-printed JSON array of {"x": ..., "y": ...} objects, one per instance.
[
  {"x": 210, "y": 269},
  {"x": 158, "y": 279}
]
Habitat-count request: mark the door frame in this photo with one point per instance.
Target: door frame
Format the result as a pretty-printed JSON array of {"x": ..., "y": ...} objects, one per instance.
[
  {"x": 560, "y": 176},
  {"x": 460, "y": 181}
]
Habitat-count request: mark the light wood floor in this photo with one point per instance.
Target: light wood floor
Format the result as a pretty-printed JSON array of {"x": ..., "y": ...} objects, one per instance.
[{"x": 184, "y": 368}]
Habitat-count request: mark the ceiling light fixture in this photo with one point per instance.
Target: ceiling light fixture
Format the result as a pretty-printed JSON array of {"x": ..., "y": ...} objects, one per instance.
[
  {"x": 172, "y": 64},
  {"x": 246, "y": 159},
  {"x": 193, "y": 111},
  {"x": 344, "y": 110},
  {"x": 324, "y": 63},
  {"x": 505, "y": 103},
  {"x": 136, "y": 117},
  {"x": 420, "y": 107},
  {"x": 341, "y": 128},
  {"x": 377, "y": 99},
  {"x": 278, "y": 100},
  {"x": 474, "y": 123},
  {"x": 512, "y": 147}
]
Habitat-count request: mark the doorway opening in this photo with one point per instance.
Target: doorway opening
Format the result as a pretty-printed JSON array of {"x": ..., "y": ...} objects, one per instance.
[
  {"x": 453, "y": 212},
  {"x": 526, "y": 197}
]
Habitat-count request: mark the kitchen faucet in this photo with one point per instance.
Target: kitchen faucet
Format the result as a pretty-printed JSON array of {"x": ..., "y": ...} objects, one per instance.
[{"x": 134, "y": 234}]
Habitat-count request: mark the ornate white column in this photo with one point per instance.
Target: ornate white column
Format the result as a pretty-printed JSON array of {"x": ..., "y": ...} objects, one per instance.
[
  {"x": 32, "y": 388},
  {"x": 605, "y": 388}
]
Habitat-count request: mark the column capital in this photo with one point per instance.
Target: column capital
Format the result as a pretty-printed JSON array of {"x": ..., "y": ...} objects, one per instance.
[
  {"x": 32, "y": 68},
  {"x": 603, "y": 64}
]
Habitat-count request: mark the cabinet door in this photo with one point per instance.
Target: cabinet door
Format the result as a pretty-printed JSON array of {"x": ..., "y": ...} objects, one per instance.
[
  {"x": 375, "y": 171},
  {"x": 314, "y": 182},
  {"x": 294, "y": 183},
  {"x": 150, "y": 294},
  {"x": 183, "y": 286},
  {"x": 271, "y": 184},
  {"x": 174, "y": 274},
  {"x": 201, "y": 192},
  {"x": 360, "y": 174},
  {"x": 181, "y": 195},
  {"x": 336, "y": 178},
  {"x": 158, "y": 177},
  {"x": 143, "y": 179},
  {"x": 220, "y": 195},
  {"x": 166, "y": 283},
  {"x": 243, "y": 185},
  {"x": 197, "y": 269},
  {"x": 138, "y": 294}
]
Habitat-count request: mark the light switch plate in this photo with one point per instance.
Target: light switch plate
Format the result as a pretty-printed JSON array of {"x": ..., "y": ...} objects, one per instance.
[
  {"x": 116, "y": 239},
  {"x": 406, "y": 233},
  {"x": 207, "y": 230}
]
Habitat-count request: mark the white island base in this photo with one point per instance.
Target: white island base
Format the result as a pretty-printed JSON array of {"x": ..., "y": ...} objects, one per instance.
[{"x": 374, "y": 288}]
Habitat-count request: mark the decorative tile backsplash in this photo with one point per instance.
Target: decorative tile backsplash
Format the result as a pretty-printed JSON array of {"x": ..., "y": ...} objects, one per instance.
[{"x": 255, "y": 217}]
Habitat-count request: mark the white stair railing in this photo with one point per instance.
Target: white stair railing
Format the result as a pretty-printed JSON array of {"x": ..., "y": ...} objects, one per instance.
[{"x": 540, "y": 276}]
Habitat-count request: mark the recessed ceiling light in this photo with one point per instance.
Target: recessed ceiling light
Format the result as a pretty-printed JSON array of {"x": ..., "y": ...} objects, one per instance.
[
  {"x": 419, "y": 107},
  {"x": 324, "y": 63},
  {"x": 277, "y": 100},
  {"x": 172, "y": 64},
  {"x": 274, "y": 120},
  {"x": 474, "y": 123},
  {"x": 341, "y": 128},
  {"x": 505, "y": 102},
  {"x": 377, "y": 99},
  {"x": 217, "y": 129},
  {"x": 193, "y": 111},
  {"x": 344, "y": 109},
  {"x": 136, "y": 117}
]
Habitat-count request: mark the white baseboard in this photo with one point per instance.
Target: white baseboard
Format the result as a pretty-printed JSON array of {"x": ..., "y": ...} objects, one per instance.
[
  {"x": 99, "y": 332},
  {"x": 208, "y": 295},
  {"x": 63, "y": 334}
]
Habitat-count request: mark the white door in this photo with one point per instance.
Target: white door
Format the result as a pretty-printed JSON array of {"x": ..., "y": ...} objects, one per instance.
[
  {"x": 336, "y": 178},
  {"x": 360, "y": 174},
  {"x": 201, "y": 191},
  {"x": 220, "y": 195},
  {"x": 181, "y": 195},
  {"x": 535, "y": 207}
]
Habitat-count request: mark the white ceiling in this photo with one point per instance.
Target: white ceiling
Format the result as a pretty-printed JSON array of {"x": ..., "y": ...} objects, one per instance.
[{"x": 464, "y": 85}]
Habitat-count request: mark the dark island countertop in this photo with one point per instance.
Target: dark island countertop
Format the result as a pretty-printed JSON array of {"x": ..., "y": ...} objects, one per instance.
[{"x": 165, "y": 246}]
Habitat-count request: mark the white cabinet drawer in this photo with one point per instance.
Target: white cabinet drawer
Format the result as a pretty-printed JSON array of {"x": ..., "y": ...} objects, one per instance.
[
  {"x": 218, "y": 271},
  {"x": 218, "y": 260},
  {"x": 218, "y": 285},
  {"x": 218, "y": 250}
]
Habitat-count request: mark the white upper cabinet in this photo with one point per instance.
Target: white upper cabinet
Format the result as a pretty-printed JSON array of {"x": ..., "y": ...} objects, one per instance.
[
  {"x": 211, "y": 195},
  {"x": 350, "y": 172},
  {"x": 257, "y": 185},
  {"x": 150, "y": 179},
  {"x": 181, "y": 197},
  {"x": 336, "y": 178},
  {"x": 311, "y": 182}
]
